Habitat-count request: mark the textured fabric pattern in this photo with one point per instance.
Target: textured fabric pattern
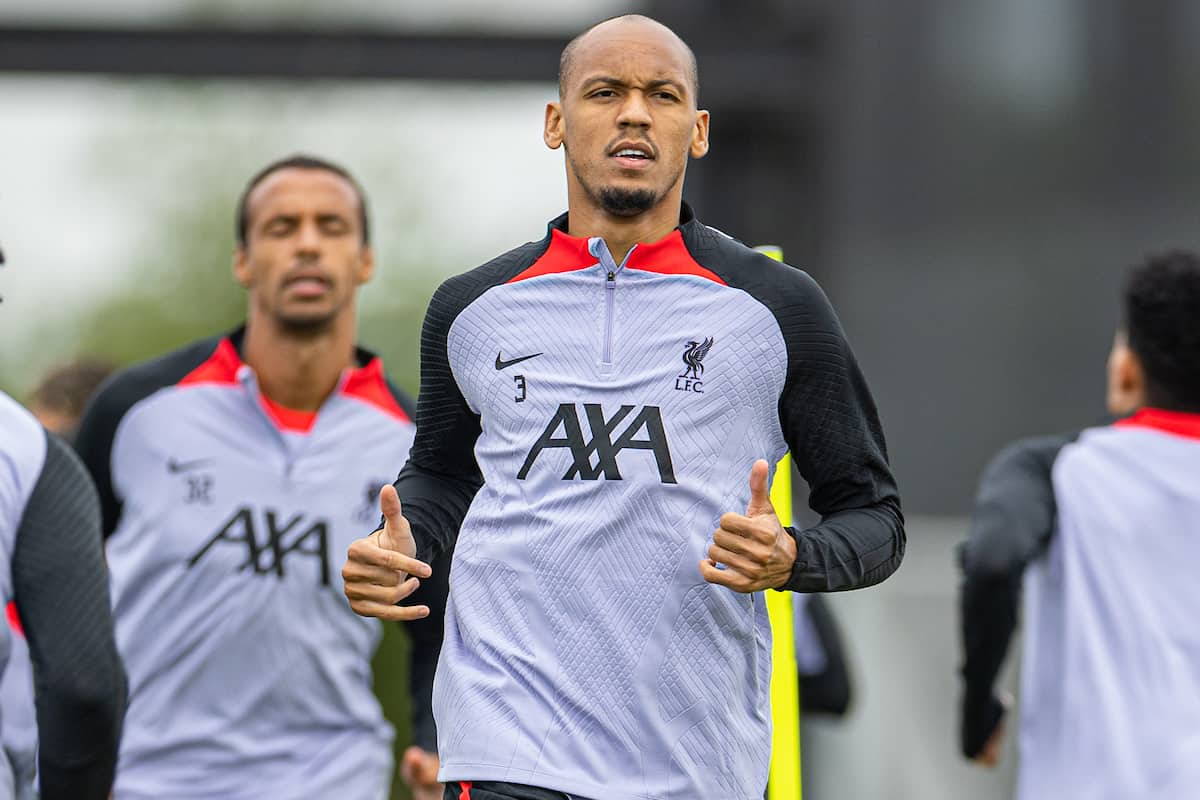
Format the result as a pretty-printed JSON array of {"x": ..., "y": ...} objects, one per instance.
[
  {"x": 19, "y": 716},
  {"x": 61, "y": 589},
  {"x": 599, "y": 418},
  {"x": 439, "y": 481},
  {"x": 249, "y": 674},
  {"x": 22, "y": 455},
  {"x": 628, "y": 631},
  {"x": 1110, "y": 706},
  {"x": 829, "y": 421}
]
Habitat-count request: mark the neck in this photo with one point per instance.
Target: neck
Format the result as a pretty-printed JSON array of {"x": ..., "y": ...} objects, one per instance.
[
  {"x": 298, "y": 371},
  {"x": 585, "y": 219}
]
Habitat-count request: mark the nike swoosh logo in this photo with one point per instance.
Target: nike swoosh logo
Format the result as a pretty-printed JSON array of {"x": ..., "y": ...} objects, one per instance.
[
  {"x": 183, "y": 466},
  {"x": 502, "y": 364}
]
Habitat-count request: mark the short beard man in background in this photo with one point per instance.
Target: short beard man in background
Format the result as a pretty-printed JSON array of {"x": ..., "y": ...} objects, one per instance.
[{"x": 231, "y": 473}]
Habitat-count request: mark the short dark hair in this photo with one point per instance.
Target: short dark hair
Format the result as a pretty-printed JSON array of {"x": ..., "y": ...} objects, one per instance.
[
  {"x": 67, "y": 389},
  {"x": 1162, "y": 323},
  {"x": 566, "y": 61},
  {"x": 299, "y": 161}
]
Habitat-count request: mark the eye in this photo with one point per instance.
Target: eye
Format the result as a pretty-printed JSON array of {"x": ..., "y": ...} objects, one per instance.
[
  {"x": 280, "y": 226},
  {"x": 603, "y": 93},
  {"x": 335, "y": 226},
  {"x": 666, "y": 95}
]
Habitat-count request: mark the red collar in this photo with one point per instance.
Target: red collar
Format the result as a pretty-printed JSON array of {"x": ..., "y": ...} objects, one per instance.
[
  {"x": 668, "y": 256},
  {"x": 366, "y": 383},
  {"x": 1179, "y": 423}
]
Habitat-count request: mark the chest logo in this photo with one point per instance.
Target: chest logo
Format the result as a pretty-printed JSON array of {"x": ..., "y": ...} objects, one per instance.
[
  {"x": 565, "y": 430},
  {"x": 284, "y": 539},
  {"x": 502, "y": 364},
  {"x": 691, "y": 379}
]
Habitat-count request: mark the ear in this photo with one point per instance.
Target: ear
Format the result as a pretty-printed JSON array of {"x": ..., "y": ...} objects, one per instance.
[
  {"x": 552, "y": 131},
  {"x": 241, "y": 267},
  {"x": 700, "y": 135},
  {"x": 1126, "y": 378},
  {"x": 366, "y": 266}
]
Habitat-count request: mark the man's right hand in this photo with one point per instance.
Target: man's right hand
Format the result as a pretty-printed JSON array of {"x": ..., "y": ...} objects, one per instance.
[
  {"x": 381, "y": 568},
  {"x": 989, "y": 756}
]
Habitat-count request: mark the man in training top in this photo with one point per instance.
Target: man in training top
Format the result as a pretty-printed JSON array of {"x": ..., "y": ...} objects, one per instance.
[
  {"x": 232, "y": 472},
  {"x": 1101, "y": 529},
  {"x": 599, "y": 415}
]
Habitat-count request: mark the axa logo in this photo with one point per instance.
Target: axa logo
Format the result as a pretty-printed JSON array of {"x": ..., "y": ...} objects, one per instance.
[
  {"x": 271, "y": 541},
  {"x": 692, "y": 377},
  {"x": 596, "y": 456}
]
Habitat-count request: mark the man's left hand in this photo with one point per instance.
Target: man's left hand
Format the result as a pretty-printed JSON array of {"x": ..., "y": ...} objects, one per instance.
[{"x": 754, "y": 548}]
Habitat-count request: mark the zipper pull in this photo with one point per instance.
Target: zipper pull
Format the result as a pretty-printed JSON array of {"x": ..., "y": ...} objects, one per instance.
[{"x": 612, "y": 276}]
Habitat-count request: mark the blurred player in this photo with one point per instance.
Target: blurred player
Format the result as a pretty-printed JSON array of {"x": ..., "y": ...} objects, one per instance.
[
  {"x": 825, "y": 683},
  {"x": 590, "y": 406},
  {"x": 52, "y": 569},
  {"x": 57, "y": 403},
  {"x": 1103, "y": 530},
  {"x": 60, "y": 397},
  {"x": 231, "y": 474}
]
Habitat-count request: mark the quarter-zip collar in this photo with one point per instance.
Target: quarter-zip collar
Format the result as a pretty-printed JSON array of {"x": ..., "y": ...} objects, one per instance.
[{"x": 670, "y": 255}]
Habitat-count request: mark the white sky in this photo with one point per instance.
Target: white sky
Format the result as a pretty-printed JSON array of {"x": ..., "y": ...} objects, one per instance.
[
  {"x": 455, "y": 173},
  {"x": 458, "y": 173}
]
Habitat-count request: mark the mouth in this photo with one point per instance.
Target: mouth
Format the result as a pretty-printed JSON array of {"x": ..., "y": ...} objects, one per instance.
[
  {"x": 307, "y": 284},
  {"x": 632, "y": 155}
]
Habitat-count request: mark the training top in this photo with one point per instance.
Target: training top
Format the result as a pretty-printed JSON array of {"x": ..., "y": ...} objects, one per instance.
[
  {"x": 597, "y": 419},
  {"x": 1104, "y": 528},
  {"x": 229, "y": 519},
  {"x": 52, "y": 571}
]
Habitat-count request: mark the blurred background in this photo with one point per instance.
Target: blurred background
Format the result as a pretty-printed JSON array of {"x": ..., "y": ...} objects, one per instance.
[{"x": 967, "y": 180}]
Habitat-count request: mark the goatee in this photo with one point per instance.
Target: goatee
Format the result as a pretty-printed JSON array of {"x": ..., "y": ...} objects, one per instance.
[{"x": 627, "y": 202}]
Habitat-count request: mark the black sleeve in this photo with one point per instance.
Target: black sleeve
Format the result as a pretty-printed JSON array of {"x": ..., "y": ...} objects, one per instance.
[
  {"x": 425, "y": 637},
  {"x": 402, "y": 399},
  {"x": 441, "y": 477},
  {"x": 829, "y": 422},
  {"x": 829, "y": 691},
  {"x": 1012, "y": 523},
  {"x": 60, "y": 585},
  {"x": 832, "y": 429}
]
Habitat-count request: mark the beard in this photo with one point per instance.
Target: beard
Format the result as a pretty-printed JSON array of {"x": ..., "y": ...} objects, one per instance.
[
  {"x": 298, "y": 322},
  {"x": 302, "y": 326},
  {"x": 619, "y": 202},
  {"x": 626, "y": 202}
]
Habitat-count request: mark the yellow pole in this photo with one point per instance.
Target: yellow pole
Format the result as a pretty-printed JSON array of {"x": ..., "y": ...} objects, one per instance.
[{"x": 784, "y": 781}]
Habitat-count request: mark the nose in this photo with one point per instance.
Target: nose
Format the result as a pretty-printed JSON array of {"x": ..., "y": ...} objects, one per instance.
[
  {"x": 635, "y": 111},
  {"x": 308, "y": 238}
]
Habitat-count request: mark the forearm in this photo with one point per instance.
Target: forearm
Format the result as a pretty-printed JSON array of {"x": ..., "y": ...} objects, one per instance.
[
  {"x": 1012, "y": 523},
  {"x": 849, "y": 549},
  {"x": 61, "y": 590},
  {"x": 435, "y": 505},
  {"x": 988, "y": 608},
  {"x": 424, "y": 729},
  {"x": 425, "y": 637}
]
